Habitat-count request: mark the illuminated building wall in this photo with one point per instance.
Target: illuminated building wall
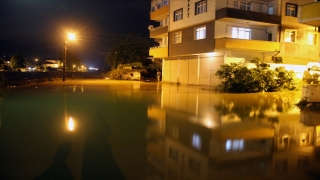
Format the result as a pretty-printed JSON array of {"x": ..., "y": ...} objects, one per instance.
[{"x": 199, "y": 36}]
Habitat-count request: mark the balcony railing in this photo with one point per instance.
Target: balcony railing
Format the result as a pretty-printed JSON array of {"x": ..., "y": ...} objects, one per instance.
[
  {"x": 159, "y": 51},
  {"x": 158, "y": 31},
  {"x": 157, "y": 4},
  {"x": 261, "y": 7},
  {"x": 247, "y": 15},
  {"x": 246, "y": 45}
]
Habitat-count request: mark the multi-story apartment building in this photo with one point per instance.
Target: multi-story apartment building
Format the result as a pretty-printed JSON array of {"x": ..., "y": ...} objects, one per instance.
[{"x": 197, "y": 36}]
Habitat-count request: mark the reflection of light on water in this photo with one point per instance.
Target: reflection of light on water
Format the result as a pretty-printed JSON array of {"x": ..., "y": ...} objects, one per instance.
[
  {"x": 208, "y": 123},
  {"x": 234, "y": 145},
  {"x": 196, "y": 141},
  {"x": 71, "y": 124}
]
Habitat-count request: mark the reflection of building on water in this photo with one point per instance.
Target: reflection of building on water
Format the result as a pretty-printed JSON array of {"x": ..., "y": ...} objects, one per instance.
[
  {"x": 312, "y": 119},
  {"x": 184, "y": 145}
]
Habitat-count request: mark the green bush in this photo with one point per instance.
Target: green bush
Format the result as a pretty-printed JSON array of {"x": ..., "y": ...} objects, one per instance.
[
  {"x": 117, "y": 74},
  {"x": 237, "y": 77}
]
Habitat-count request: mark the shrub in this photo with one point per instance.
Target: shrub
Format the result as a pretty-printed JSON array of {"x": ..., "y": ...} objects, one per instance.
[{"x": 237, "y": 77}]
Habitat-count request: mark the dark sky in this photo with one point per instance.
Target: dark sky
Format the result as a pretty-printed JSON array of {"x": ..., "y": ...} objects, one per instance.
[{"x": 37, "y": 28}]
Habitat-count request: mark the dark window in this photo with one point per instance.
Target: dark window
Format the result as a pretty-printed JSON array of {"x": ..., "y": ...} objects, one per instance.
[
  {"x": 173, "y": 154},
  {"x": 291, "y": 10},
  {"x": 201, "y": 7},
  {"x": 178, "y": 14}
]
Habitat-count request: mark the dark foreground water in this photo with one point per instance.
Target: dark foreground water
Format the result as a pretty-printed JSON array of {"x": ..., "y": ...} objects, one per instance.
[{"x": 138, "y": 130}]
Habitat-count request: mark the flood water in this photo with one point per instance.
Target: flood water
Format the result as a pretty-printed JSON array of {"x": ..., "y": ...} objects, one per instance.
[{"x": 143, "y": 130}]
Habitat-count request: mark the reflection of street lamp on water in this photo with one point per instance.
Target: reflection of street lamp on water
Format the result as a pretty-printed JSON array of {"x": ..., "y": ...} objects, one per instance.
[
  {"x": 73, "y": 67},
  {"x": 70, "y": 37},
  {"x": 71, "y": 124}
]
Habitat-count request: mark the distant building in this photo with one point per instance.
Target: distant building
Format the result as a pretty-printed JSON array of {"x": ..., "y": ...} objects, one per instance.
[{"x": 53, "y": 63}]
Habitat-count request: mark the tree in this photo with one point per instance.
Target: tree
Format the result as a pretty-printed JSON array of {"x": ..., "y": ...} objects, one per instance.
[
  {"x": 128, "y": 49},
  {"x": 72, "y": 59},
  {"x": 237, "y": 77},
  {"x": 1, "y": 63},
  {"x": 17, "y": 61}
]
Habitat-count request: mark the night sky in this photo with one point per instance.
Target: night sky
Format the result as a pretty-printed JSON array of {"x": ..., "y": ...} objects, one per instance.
[{"x": 37, "y": 28}]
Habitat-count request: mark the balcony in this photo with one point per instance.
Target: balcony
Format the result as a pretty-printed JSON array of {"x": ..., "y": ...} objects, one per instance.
[
  {"x": 246, "y": 45},
  {"x": 227, "y": 14},
  {"x": 309, "y": 14},
  {"x": 159, "y": 51},
  {"x": 158, "y": 31},
  {"x": 160, "y": 13}
]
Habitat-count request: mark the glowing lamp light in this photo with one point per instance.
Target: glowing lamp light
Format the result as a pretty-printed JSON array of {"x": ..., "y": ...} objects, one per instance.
[
  {"x": 71, "y": 124},
  {"x": 71, "y": 36}
]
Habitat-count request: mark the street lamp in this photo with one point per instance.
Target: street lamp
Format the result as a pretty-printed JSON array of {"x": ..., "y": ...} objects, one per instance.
[{"x": 70, "y": 37}]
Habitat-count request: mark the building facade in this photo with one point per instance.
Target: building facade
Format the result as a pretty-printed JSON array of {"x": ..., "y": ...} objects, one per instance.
[{"x": 196, "y": 37}]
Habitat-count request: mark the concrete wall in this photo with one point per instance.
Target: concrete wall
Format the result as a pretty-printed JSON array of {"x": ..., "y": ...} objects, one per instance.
[{"x": 191, "y": 46}]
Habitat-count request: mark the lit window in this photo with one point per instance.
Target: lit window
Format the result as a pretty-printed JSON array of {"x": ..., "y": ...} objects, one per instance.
[
  {"x": 270, "y": 10},
  {"x": 312, "y": 39},
  {"x": 196, "y": 141},
  {"x": 234, "y": 145},
  {"x": 201, "y": 7},
  {"x": 290, "y": 36},
  {"x": 177, "y": 37},
  {"x": 241, "y": 33},
  {"x": 178, "y": 15},
  {"x": 200, "y": 33},
  {"x": 291, "y": 10}
]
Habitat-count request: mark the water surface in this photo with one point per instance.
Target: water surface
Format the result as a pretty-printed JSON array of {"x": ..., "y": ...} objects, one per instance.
[{"x": 140, "y": 130}]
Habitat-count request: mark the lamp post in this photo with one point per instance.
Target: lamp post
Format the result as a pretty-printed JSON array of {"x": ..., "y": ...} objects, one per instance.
[{"x": 70, "y": 37}]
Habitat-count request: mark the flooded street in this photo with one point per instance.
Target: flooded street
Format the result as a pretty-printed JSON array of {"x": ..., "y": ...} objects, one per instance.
[{"x": 135, "y": 130}]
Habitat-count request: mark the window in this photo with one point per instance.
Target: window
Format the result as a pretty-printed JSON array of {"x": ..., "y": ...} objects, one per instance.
[
  {"x": 290, "y": 36},
  {"x": 178, "y": 15},
  {"x": 200, "y": 33},
  {"x": 175, "y": 132},
  {"x": 270, "y": 10},
  {"x": 236, "y": 4},
  {"x": 312, "y": 38},
  {"x": 241, "y": 33},
  {"x": 245, "y": 6},
  {"x": 177, "y": 37},
  {"x": 173, "y": 154},
  {"x": 158, "y": 5},
  {"x": 291, "y": 10},
  {"x": 234, "y": 145},
  {"x": 196, "y": 141},
  {"x": 201, "y": 7},
  {"x": 242, "y": 5},
  {"x": 194, "y": 165},
  {"x": 165, "y": 2}
]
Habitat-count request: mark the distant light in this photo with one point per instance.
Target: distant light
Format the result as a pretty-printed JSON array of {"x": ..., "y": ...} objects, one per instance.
[
  {"x": 71, "y": 124},
  {"x": 93, "y": 68}
]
